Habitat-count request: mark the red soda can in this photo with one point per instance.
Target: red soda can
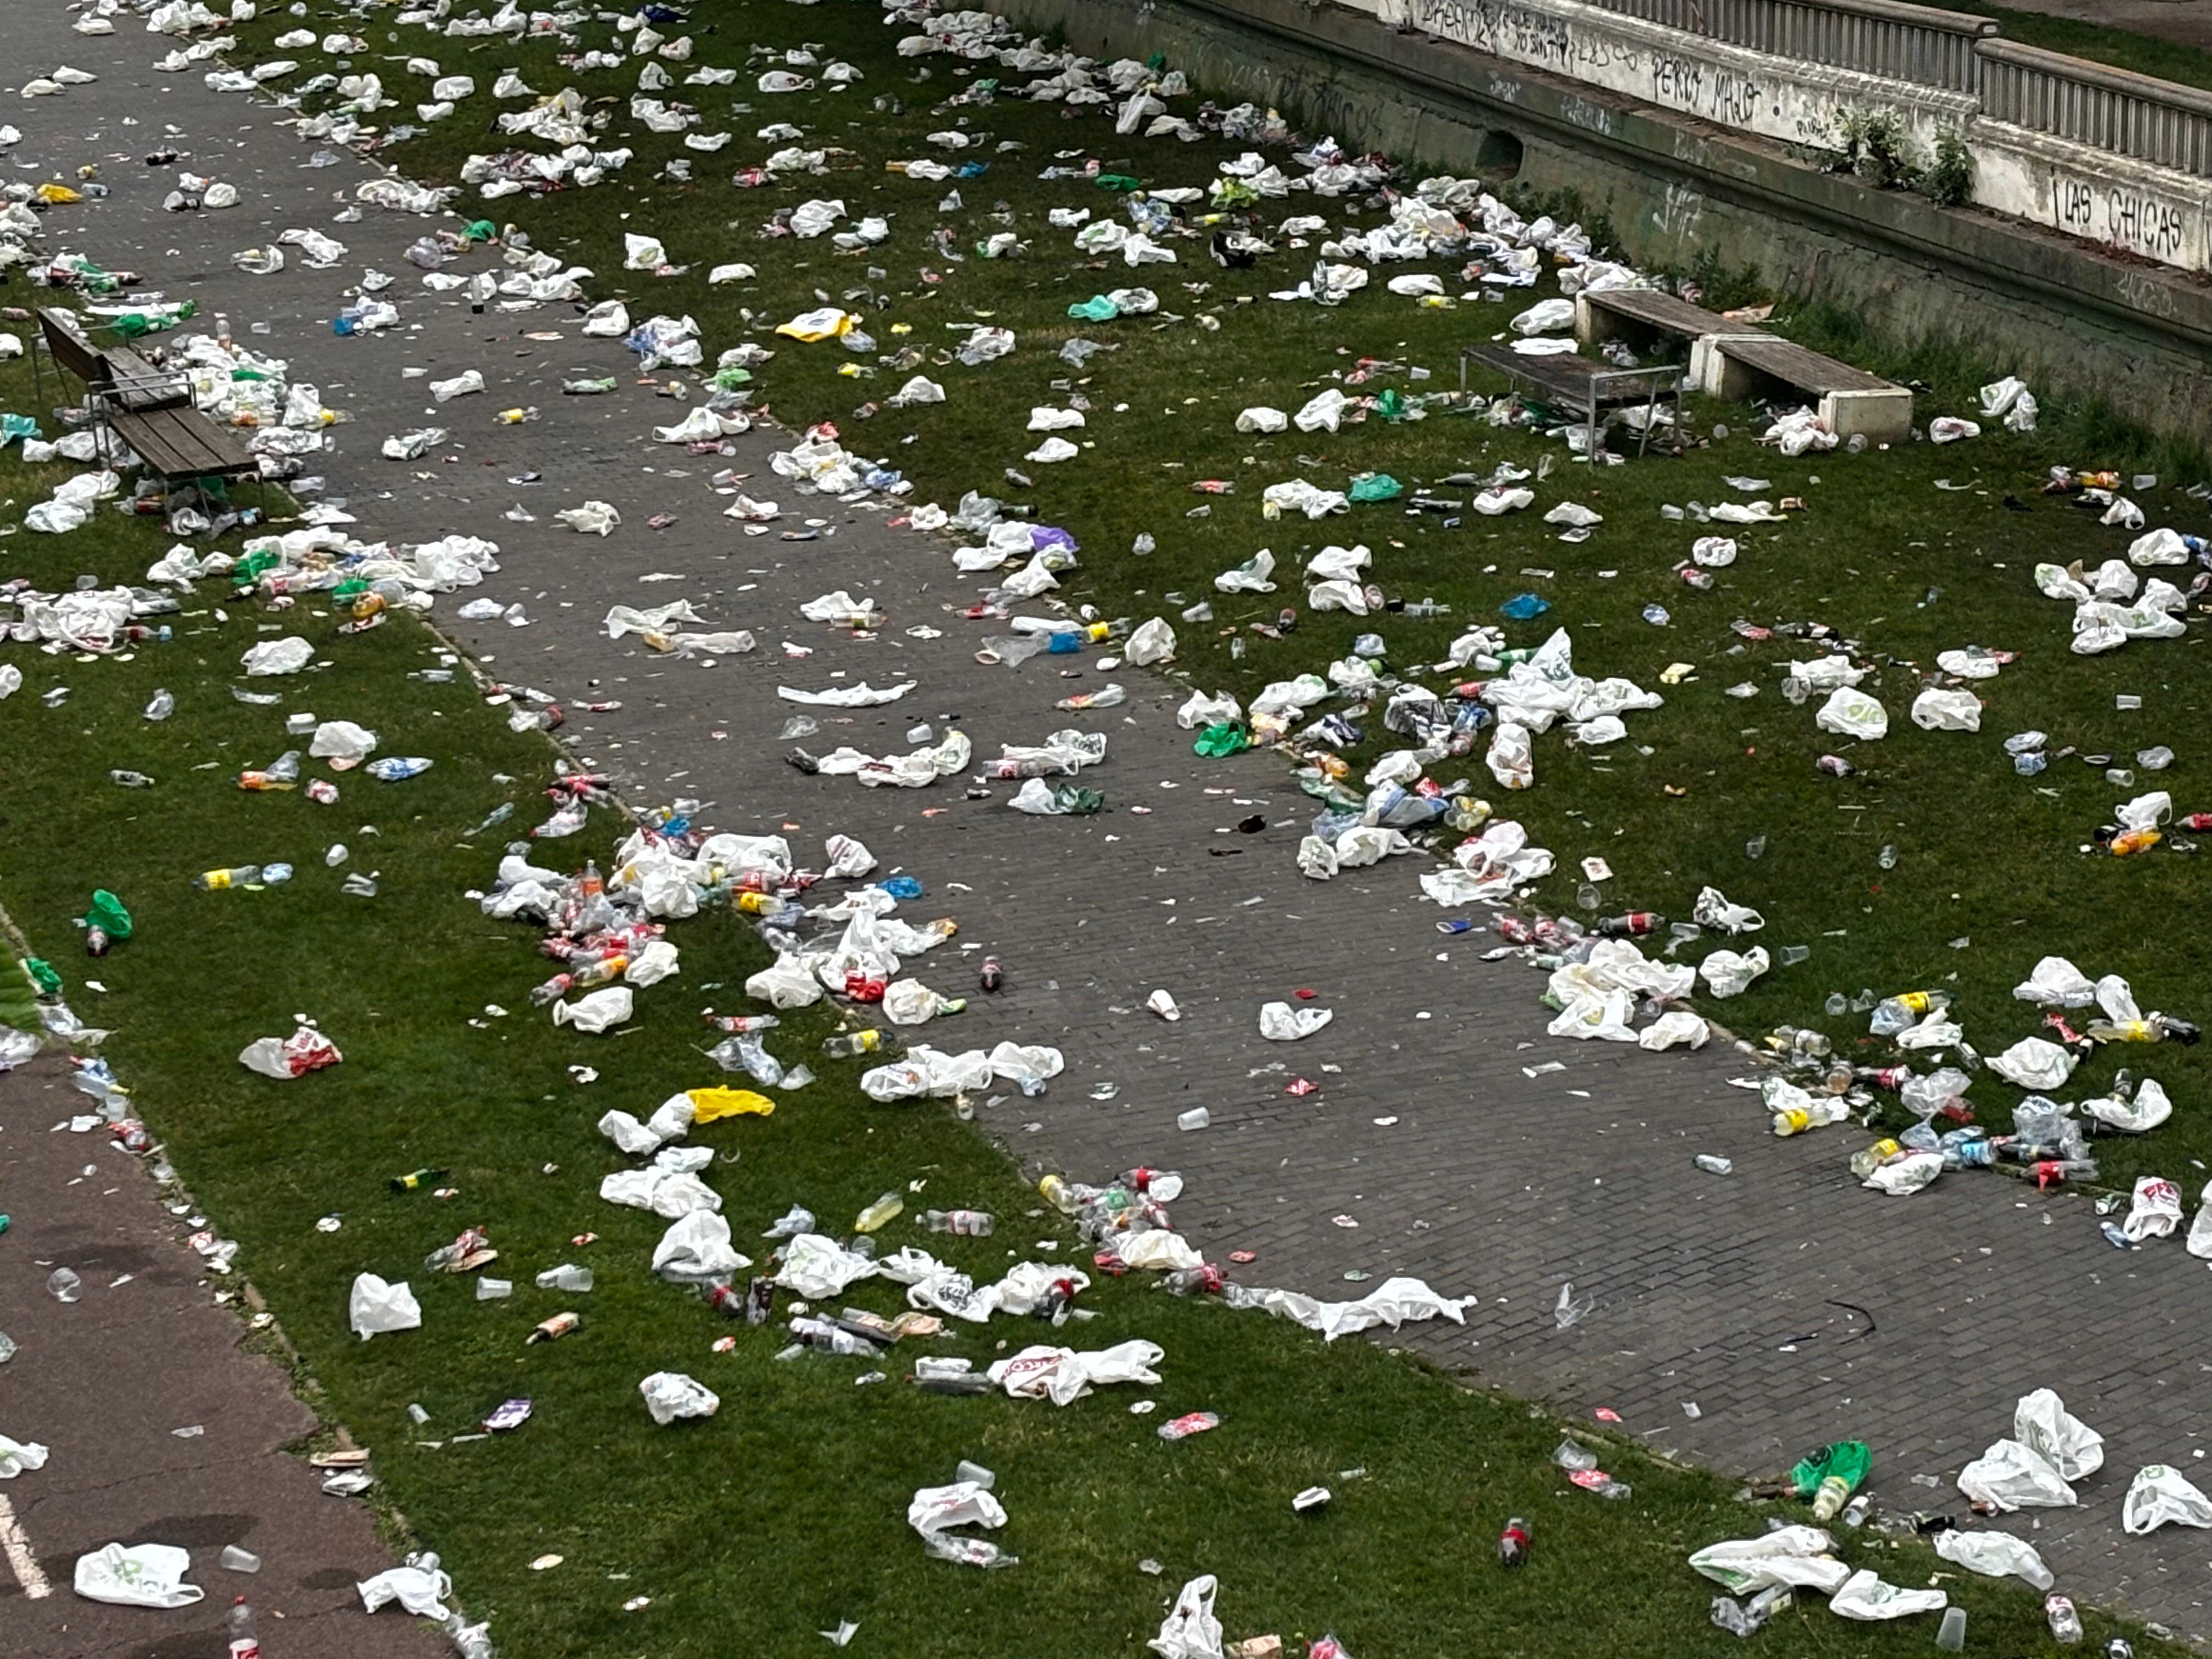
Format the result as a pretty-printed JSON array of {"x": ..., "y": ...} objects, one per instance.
[
  {"x": 1696, "y": 576},
  {"x": 1892, "y": 1078},
  {"x": 323, "y": 791},
  {"x": 2199, "y": 822},
  {"x": 1513, "y": 1543},
  {"x": 1515, "y": 930},
  {"x": 861, "y": 989},
  {"x": 1836, "y": 766}
]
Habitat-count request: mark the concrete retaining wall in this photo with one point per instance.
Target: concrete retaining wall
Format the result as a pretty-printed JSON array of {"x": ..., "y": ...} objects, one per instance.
[{"x": 2069, "y": 316}]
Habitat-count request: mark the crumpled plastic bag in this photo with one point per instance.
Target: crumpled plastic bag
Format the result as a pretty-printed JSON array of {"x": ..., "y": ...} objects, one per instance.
[
  {"x": 814, "y": 1267},
  {"x": 1152, "y": 642},
  {"x": 784, "y": 984},
  {"x": 2156, "y": 1211},
  {"x": 2148, "y": 1107},
  {"x": 1675, "y": 1027},
  {"x": 1849, "y": 712},
  {"x": 1064, "y": 1375},
  {"x": 1936, "y": 710},
  {"x": 696, "y": 1249},
  {"x": 19, "y": 1457},
  {"x": 1392, "y": 1303},
  {"x": 591, "y": 518},
  {"x": 1281, "y": 1022},
  {"x": 284, "y": 656},
  {"x": 598, "y": 1012},
  {"x": 1865, "y": 1595},
  {"x": 376, "y": 1307},
  {"x": 2042, "y": 1424},
  {"x": 671, "y": 1394},
  {"x": 1714, "y": 910},
  {"x": 285, "y": 1058},
  {"x": 2159, "y": 1494},
  {"x": 136, "y": 1576},
  {"x": 1900, "y": 1177},
  {"x": 1190, "y": 1631},
  {"x": 1799, "y": 1558},
  {"x": 1728, "y": 974},
  {"x": 1998, "y": 1554},
  {"x": 933, "y": 1511},
  {"x": 2010, "y": 398},
  {"x": 419, "y": 1588},
  {"x": 342, "y": 740},
  {"x": 2036, "y": 1064},
  {"x": 2010, "y": 1475},
  {"x": 2056, "y": 983}
]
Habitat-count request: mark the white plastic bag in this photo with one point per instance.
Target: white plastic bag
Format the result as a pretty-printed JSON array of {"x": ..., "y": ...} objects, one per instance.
[
  {"x": 2156, "y": 1211},
  {"x": 137, "y": 1576},
  {"x": 284, "y": 656},
  {"x": 20, "y": 1456},
  {"x": 598, "y": 1012},
  {"x": 421, "y": 1591},
  {"x": 1849, "y": 712},
  {"x": 1797, "y": 1556},
  {"x": 2012, "y": 1476},
  {"x": 2161, "y": 1494},
  {"x": 1714, "y": 910},
  {"x": 1281, "y": 1022},
  {"x": 2035, "y": 1063},
  {"x": 1064, "y": 1375},
  {"x": 1865, "y": 1595},
  {"x": 1728, "y": 974},
  {"x": 1935, "y": 710},
  {"x": 671, "y": 1394},
  {"x": 2056, "y": 983},
  {"x": 1153, "y": 643},
  {"x": 1190, "y": 1631},
  {"x": 1998, "y": 1554},
  {"x": 377, "y": 1308}
]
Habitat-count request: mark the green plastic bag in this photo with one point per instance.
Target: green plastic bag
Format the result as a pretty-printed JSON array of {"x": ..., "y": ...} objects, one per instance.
[
  {"x": 1095, "y": 309},
  {"x": 728, "y": 380},
  {"x": 1375, "y": 487},
  {"x": 1830, "y": 1475},
  {"x": 109, "y": 916},
  {"x": 1391, "y": 405},
  {"x": 1074, "y": 801},
  {"x": 1119, "y": 181},
  {"x": 1220, "y": 741},
  {"x": 480, "y": 230},
  {"x": 43, "y": 975},
  {"x": 13, "y": 426}
]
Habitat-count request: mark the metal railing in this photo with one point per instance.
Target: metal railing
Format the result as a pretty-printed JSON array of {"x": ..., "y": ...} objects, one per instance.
[
  {"x": 1900, "y": 42},
  {"x": 2133, "y": 115}
]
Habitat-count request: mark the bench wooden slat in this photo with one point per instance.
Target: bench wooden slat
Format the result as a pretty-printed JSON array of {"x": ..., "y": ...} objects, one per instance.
[
  {"x": 1803, "y": 367},
  {"x": 1663, "y": 312},
  {"x": 178, "y": 443}
]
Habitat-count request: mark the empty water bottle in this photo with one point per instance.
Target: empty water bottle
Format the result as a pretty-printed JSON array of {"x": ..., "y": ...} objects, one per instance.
[{"x": 566, "y": 1277}]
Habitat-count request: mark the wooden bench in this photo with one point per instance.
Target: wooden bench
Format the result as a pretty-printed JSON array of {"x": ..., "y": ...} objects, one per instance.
[
  {"x": 1645, "y": 318},
  {"x": 1847, "y": 400},
  {"x": 1585, "y": 386},
  {"x": 149, "y": 410}
]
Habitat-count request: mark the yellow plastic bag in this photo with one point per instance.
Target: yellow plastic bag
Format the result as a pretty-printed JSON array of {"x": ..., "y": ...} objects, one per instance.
[
  {"x": 59, "y": 195},
  {"x": 826, "y": 323},
  {"x": 707, "y": 1104}
]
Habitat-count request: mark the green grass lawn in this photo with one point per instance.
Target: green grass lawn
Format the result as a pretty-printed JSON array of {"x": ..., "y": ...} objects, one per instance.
[
  {"x": 1904, "y": 553},
  {"x": 787, "y": 1510}
]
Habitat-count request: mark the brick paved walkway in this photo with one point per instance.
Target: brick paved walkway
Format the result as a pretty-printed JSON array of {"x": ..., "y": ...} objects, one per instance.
[{"x": 1789, "y": 1306}]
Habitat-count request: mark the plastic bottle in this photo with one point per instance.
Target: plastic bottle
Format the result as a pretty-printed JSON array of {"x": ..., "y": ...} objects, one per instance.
[
  {"x": 1795, "y": 1120},
  {"x": 879, "y": 1214},
  {"x": 1712, "y": 1164},
  {"x": 126, "y": 779},
  {"x": 846, "y": 1044},
  {"x": 1513, "y": 1543},
  {"x": 2135, "y": 840},
  {"x": 242, "y": 875},
  {"x": 992, "y": 977},
  {"x": 1635, "y": 925},
  {"x": 962, "y": 1224},
  {"x": 1865, "y": 1162},
  {"x": 2065, "y": 1623},
  {"x": 244, "y": 1644},
  {"x": 566, "y": 1277}
]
